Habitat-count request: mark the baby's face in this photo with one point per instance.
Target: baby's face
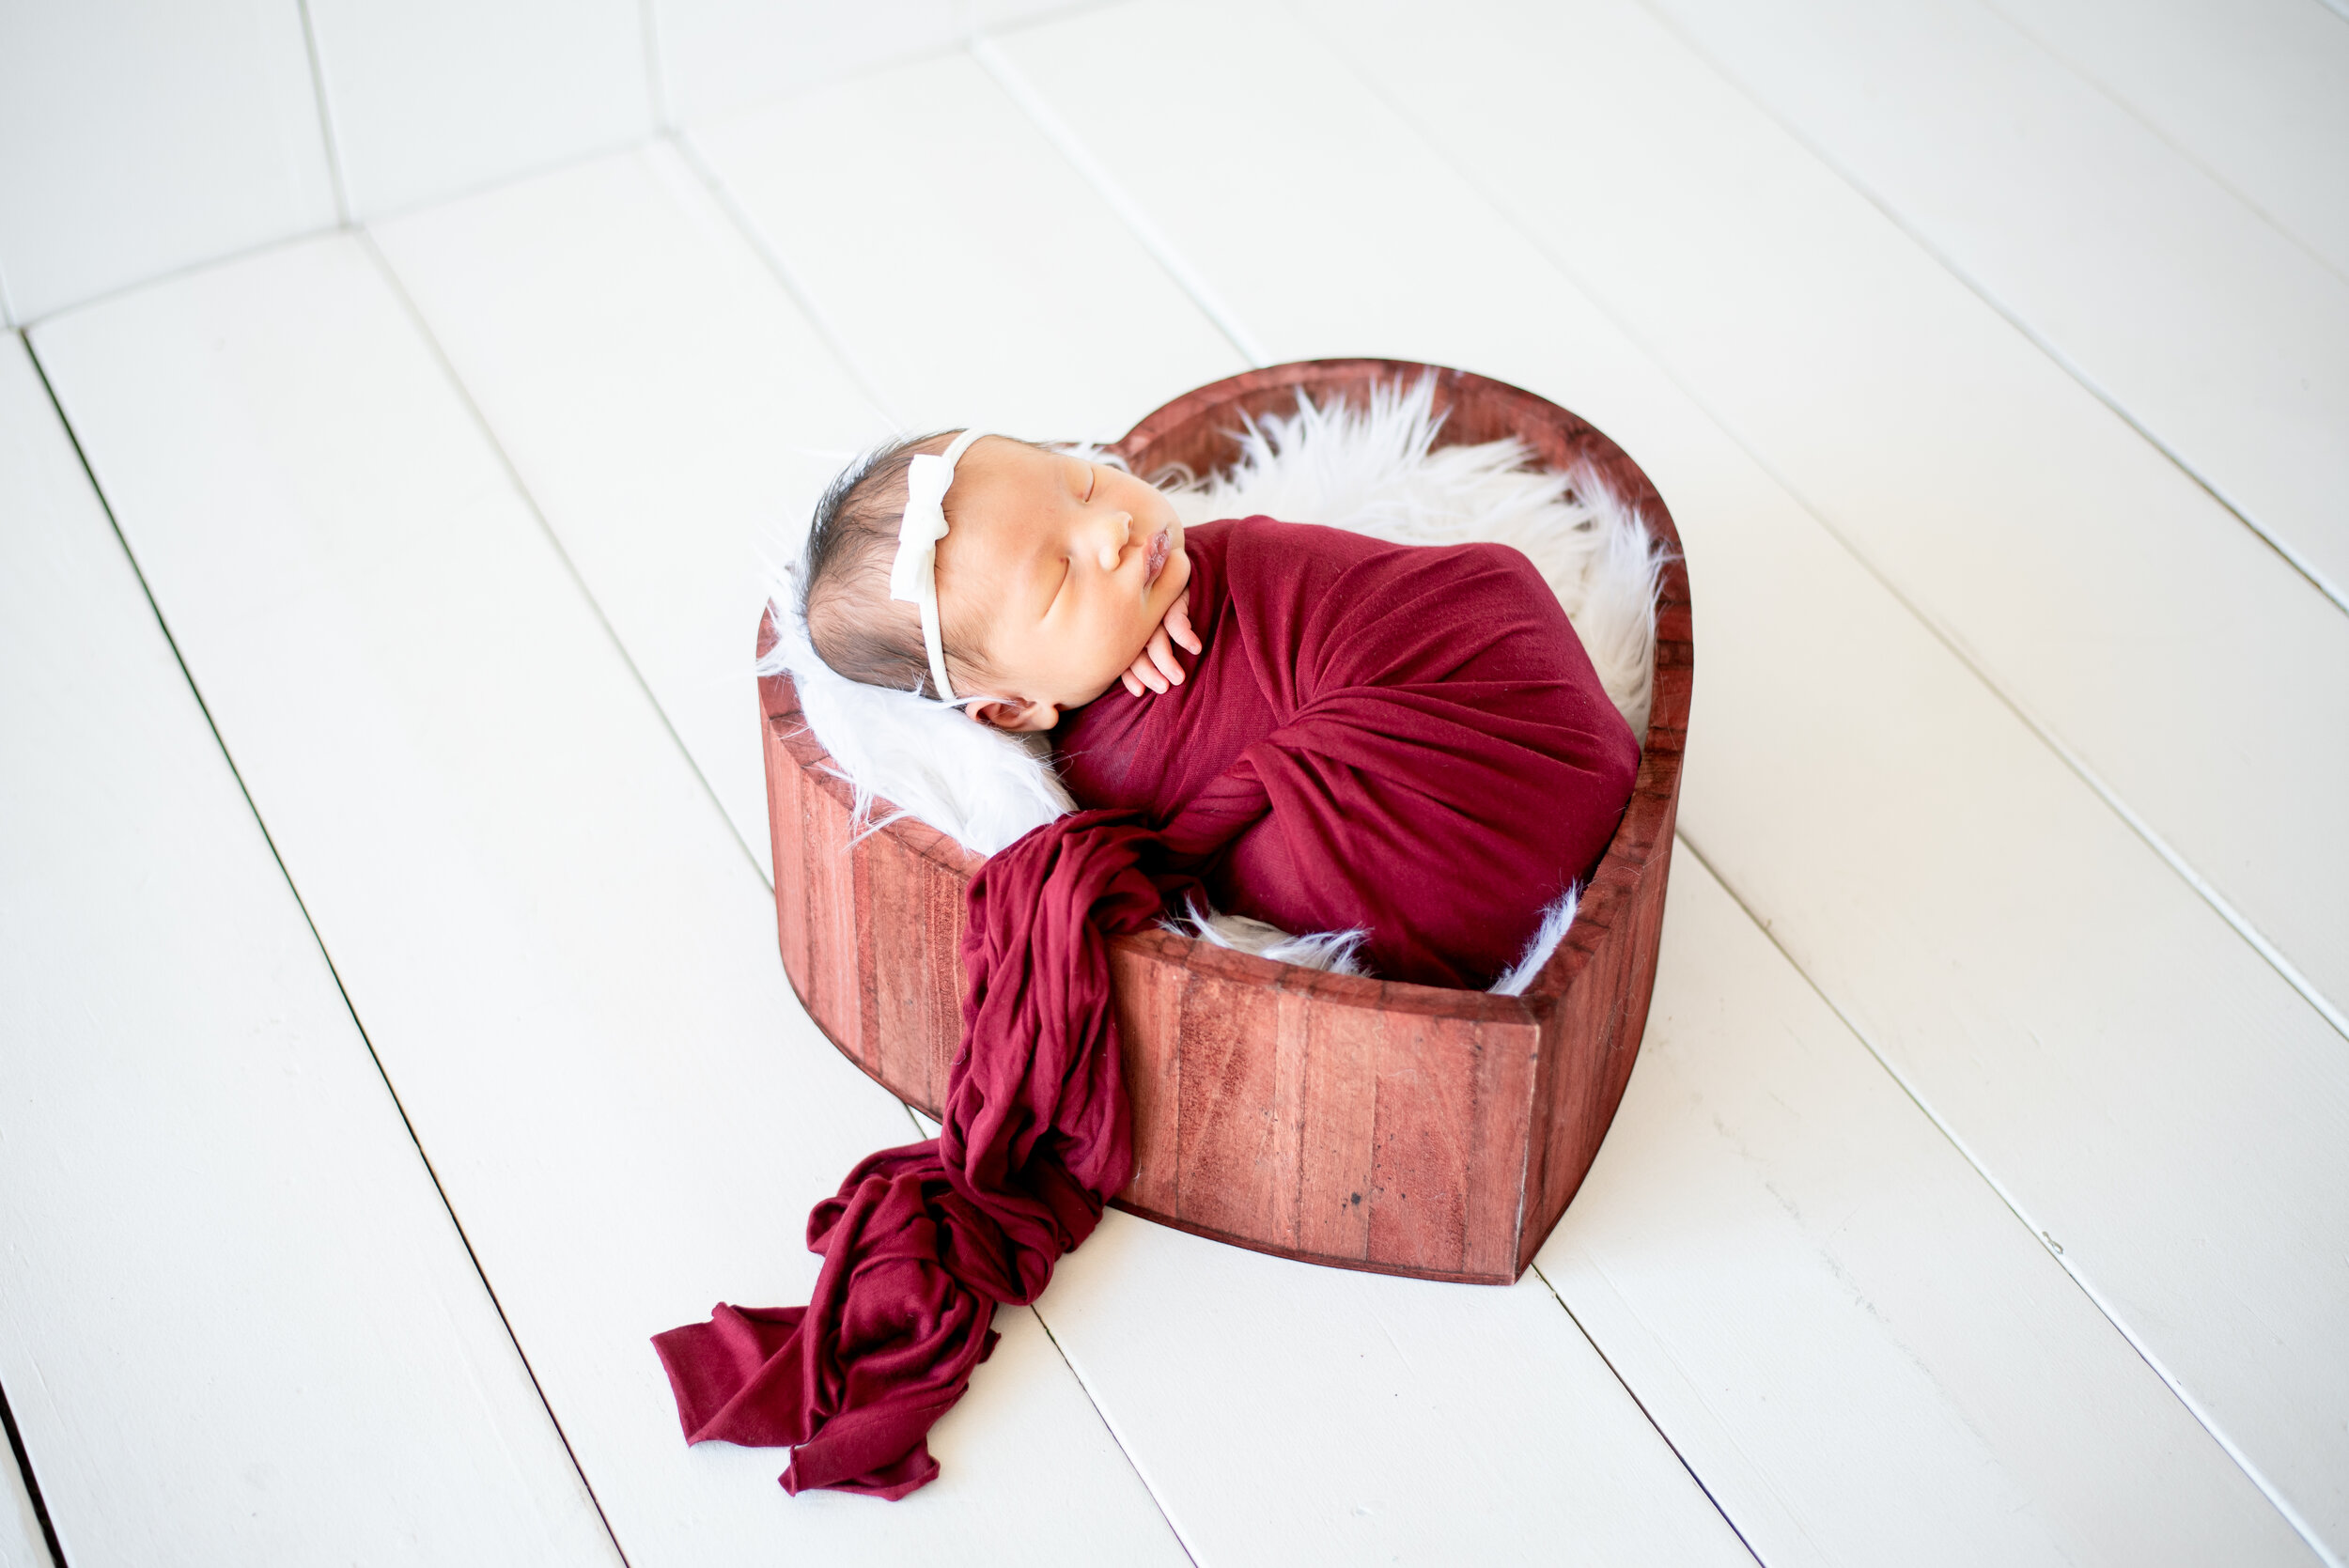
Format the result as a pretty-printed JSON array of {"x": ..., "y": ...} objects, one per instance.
[{"x": 1068, "y": 566}]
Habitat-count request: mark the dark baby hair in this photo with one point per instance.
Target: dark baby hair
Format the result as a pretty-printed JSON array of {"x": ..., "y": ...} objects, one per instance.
[{"x": 844, "y": 596}]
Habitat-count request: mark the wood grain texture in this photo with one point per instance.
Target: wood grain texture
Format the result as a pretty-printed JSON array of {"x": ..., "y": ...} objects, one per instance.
[{"x": 1337, "y": 1119}]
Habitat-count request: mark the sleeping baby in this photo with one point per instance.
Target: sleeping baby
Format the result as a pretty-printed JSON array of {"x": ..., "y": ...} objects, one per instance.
[{"x": 1331, "y": 733}]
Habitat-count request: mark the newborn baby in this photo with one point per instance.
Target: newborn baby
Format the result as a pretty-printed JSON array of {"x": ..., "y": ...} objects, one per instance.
[{"x": 1409, "y": 742}]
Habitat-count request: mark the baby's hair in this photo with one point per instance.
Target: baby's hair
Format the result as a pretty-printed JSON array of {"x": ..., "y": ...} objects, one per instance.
[{"x": 851, "y": 543}]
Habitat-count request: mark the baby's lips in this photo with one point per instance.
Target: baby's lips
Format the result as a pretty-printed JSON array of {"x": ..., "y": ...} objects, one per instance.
[{"x": 1161, "y": 551}]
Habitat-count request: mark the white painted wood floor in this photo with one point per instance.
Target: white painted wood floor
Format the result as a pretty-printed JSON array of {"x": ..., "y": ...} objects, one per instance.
[{"x": 395, "y": 1037}]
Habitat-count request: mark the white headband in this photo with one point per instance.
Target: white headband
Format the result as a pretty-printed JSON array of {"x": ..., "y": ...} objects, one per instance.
[{"x": 913, "y": 575}]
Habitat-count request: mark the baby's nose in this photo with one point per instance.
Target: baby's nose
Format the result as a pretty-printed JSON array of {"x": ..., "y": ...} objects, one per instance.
[{"x": 1121, "y": 528}]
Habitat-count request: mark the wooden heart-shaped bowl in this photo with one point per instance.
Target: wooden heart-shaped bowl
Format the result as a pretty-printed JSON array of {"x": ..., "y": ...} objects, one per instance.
[{"x": 1336, "y": 1119}]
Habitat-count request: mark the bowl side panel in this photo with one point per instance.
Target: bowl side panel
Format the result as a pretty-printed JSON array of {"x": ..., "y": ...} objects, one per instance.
[
  {"x": 1589, "y": 1041},
  {"x": 1287, "y": 1115},
  {"x": 1605, "y": 971},
  {"x": 1454, "y": 1114},
  {"x": 817, "y": 908},
  {"x": 1147, "y": 979},
  {"x": 785, "y": 835},
  {"x": 870, "y": 922}
]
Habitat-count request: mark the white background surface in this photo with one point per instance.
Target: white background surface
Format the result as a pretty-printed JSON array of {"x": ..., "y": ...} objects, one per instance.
[
  {"x": 433, "y": 98},
  {"x": 140, "y": 136},
  {"x": 217, "y": 1222},
  {"x": 1978, "y": 1194}
]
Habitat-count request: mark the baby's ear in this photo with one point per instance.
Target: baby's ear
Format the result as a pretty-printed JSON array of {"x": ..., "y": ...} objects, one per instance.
[{"x": 1014, "y": 713}]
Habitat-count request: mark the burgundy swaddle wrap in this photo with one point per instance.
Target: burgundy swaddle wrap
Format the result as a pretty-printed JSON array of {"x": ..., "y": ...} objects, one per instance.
[{"x": 1407, "y": 742}]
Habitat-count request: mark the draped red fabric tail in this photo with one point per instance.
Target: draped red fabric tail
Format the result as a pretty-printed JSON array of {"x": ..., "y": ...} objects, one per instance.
[{"x": 922, "y": 1242}]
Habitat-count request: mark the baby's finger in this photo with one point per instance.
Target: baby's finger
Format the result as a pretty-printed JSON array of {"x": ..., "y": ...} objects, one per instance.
[
  {"x": 1178, "y": 623},
  {"x": 1133, "y": 687},
  {"x": 1161, "y": 653},
  {"x": 1146, "y": 672}
]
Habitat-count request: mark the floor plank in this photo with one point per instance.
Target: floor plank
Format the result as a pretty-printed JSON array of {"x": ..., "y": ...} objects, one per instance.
[
  {"x": 237, "y": 1323},
  {"x": 1841, "y": 1326},
  {"x": 1288, "y": 1414},
  {"x": 718, "y": 56},
  {"x": 135, "y": 139},
  {"x": 1044, "y": 279},
  {"x": 433, "y": 98},
  {"x": 2255, "y": 91},
  {"x": 672, "y": 415},
  {"x": 2096, "y": 585},
  {"x": 2219, "y": 335},
  {"x": 551, "y": 936},
  {"x": 507, "y": 275},
  {"x": 2038, "y": 978}
]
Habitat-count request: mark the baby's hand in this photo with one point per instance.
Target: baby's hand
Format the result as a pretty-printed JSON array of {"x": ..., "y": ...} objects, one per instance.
[{"x": 1155, "y": 666}]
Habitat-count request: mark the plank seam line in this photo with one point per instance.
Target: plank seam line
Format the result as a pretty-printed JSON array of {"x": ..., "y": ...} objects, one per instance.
[
  {"x": 1181, "y": 1542},
  {"x": 554, "y": 541},
  {"x": 1138, "y": 222},
  {"x": 1605, "y": 1360},
  {"x": 186, "y": 270},
  {"x": 326, "y": 116},
  {"x": 656, "y": 84},
  {"x": 2290, "y": 555},
  {"x": 2113, "y": 96},
  {"x": 2064, "y": 1259},
  {"x": 923, "y": 1125},
  {"x": 2177, "y": 862},
  {"x": 287, "y": 240},
  {"x": 285, "y": 871},
  {"x": 32, "y": 1484},
  {"x": 793, "y": 285}
]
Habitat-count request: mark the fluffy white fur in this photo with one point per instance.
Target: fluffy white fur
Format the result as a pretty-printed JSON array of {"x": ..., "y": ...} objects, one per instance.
[
  {"x": 978, "y": 785},
  {"x": 1540, "y": 945},
  {"x": 1374, "y": 468}
]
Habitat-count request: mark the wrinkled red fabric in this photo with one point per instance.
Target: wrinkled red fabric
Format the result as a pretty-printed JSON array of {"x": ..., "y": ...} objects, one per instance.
[
  {"x": 922, "y": 1242},
  {"x": 1406, "y": 742}
]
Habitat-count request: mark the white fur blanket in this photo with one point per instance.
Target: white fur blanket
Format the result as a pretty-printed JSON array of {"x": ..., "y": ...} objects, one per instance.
[{"x": 1373, "y": 468}]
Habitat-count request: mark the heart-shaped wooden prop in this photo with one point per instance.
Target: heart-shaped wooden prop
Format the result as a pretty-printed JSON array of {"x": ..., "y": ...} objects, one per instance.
[{"x": 1330, "y": 1118}]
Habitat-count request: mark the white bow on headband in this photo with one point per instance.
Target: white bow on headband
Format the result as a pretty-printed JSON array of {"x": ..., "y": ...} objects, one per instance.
[{"x": 913, "y": 575}]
